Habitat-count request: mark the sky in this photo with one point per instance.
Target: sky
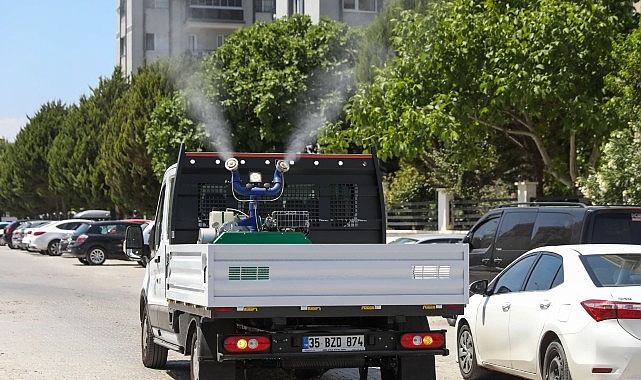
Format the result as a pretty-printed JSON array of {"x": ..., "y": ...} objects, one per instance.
[{"x": 51, "y": 50}]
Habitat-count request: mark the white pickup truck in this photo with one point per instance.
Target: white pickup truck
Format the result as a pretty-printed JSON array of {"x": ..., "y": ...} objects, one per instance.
[{"x": 292, "y": 272}]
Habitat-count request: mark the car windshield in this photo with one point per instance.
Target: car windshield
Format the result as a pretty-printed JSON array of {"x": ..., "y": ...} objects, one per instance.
[{"x": 613, "y": 269}]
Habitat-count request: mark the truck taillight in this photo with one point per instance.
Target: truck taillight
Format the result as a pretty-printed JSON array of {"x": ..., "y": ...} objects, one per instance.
[
  {"x": 601, "y": 310},
  {"x": 244, "y": 343},
  {"x": 81, "y": 239},
  {"x": 423, "y": 340}
]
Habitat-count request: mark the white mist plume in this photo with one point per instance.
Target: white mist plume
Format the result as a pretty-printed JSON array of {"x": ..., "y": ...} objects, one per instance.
[{"x": 331, "y": 94}]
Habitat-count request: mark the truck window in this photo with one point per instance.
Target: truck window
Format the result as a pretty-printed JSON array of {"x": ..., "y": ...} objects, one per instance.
[
  {"x": 552, "y": 228},
  {"x": 616, "y": 227},
  {"x": 515, "y": 231}
]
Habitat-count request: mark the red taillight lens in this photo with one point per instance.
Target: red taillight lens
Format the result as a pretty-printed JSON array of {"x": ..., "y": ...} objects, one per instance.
[
  {"x": 423, "y": 340},
  {"x": 244, "y": 343},
  {"x": 602, "y": 310},
  {"x": 81, "y": 239},
  {"x": 38, "y": 233},
  {"x": 8, "y": 230}
]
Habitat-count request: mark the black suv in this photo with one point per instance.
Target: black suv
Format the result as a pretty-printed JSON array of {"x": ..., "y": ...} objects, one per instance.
[
  {"x": 93, "y": 243},
  {"x": 506, "y": 232}
]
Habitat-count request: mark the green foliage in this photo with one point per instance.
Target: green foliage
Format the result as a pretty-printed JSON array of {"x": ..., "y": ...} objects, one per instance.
[
  {"x": 467, "y": 71},
  {"x": 124, "y": 163},
  {"x": 408, "y": 184},
  {"x": 170, "y": 126},
  {"x": 73, "y": 157},
  {"x": 24, "y": 178},
  {"x": 616, "y": 178},
  {"x": 273, "y": 78}
]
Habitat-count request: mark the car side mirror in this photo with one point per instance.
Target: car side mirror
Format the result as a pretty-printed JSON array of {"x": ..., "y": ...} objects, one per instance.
[
  {"x": 478, "y": 287},
  {"x": 134, "y": 242}
]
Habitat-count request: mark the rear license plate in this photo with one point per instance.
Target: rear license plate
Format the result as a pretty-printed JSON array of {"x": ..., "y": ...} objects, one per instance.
[{"x": 328, "y": 343}]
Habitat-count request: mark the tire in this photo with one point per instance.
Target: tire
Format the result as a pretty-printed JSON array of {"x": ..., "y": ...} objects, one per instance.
[
  {"x": 153, "y": 355},
  {"x": 53, "y": 248},
  {"x": 466, "y": 355},
  {"x": 83, "y": 260},
  {"x": 555, "y": 363},
  {"x": 96, "y": 256},
  {"x": 202, "y": 363}
]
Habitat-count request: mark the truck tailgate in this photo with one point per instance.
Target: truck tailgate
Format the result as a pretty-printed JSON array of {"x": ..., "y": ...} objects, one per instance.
[{"x": 238, "y": 275}]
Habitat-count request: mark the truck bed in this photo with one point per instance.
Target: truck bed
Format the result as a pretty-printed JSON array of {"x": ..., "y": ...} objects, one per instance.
[{"x": 317, "y": 275}]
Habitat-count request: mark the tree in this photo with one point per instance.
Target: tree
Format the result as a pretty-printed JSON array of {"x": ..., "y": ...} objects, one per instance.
[
  {"x": 26, "y": 179},
  {"x": 467, "y": 72},
  {"x": 124, "y": 163},
  {"x": 169, "y": 128},
  {"x": 75, "y": 151},
  {"x": 616, "y": 178},
  {"x": 279, "y": 80}
]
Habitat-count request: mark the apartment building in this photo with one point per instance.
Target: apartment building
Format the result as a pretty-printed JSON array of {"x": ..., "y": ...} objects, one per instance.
[{"x": 149, "y": 29}]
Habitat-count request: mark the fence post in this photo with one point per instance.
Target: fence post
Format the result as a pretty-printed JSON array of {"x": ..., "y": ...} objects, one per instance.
[
  {"x": 444, "y": 198},
  {"x": 526, "y": 191}
]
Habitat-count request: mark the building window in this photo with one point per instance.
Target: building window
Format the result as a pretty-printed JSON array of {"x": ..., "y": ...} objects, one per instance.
[
  {"x": 361, "y": 5},
  {"x": 160, "y": 4},
  {"x": 216, "y": 10},
  {"x": 217, "y": 3},
  {"x": 150, "y": 41},
  {"x": 266, "y": 6},
  {"x": 123, "y": 46},
  {"x": 299, "y": 7}
]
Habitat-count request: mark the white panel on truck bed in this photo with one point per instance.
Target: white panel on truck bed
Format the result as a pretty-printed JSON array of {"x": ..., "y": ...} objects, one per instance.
[{"x": 239, "y": 275}]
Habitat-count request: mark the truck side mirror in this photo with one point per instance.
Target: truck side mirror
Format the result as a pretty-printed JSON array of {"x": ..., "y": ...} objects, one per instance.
[{"x": 134, "y": 242}]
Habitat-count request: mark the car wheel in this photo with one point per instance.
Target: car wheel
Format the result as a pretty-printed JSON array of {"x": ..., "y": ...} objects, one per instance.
[
  {"x": 555, "y": 364},
  {"x": 83, "y": 260},
  {"x": 96, "y": 256},
  {"x": 153, "y": 355},
  {"x": 467, "y": 363},
  {"x": 53, "y": 248}
]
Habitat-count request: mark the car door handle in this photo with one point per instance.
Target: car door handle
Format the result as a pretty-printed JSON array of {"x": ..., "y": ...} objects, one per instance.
[
  {"x": 157, "y": 259},
  {"x": 506, "y": 307},
  {"x": 545, "y": 304}
]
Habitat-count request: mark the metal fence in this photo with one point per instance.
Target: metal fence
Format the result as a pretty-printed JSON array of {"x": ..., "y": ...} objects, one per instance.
[{"x": 424, "y": 215}]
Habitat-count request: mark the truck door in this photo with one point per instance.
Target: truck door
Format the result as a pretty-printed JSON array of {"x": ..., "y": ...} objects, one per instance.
[{"x": 156, "y": 295}]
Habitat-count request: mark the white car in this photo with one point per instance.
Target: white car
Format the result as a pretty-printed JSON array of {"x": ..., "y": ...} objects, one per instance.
[
  {"x": 46, "y": 238},
  {"x": 428, "y": 239},
  {"x": 563, "y": 312}
]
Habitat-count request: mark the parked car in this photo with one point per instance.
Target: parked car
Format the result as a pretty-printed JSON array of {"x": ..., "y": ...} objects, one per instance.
[
  {"x": 46, "y": 238},
  {"x": 23, "y": 230},
  {"x": 428, "y": 239},
  {"x": 2, "y": 226},
  {"x": 8, "y": 232},
  {"x": 93, "y": 243},
  {"x": 506, "y": 232},
  {"x": 558, "y": 312}
]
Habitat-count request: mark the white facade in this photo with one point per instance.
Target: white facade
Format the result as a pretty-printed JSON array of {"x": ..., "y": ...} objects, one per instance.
[{"x": 150, "y": 29}]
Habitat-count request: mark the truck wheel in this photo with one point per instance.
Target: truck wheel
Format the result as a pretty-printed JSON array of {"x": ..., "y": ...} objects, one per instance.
[
  {"x": 96, "y": 256},
  {"x": 203, "y": 364},
  {"x": 467, "y": 364},
  {"x": 153, "y": 355},
  {"x": 53, "y": 248}
]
